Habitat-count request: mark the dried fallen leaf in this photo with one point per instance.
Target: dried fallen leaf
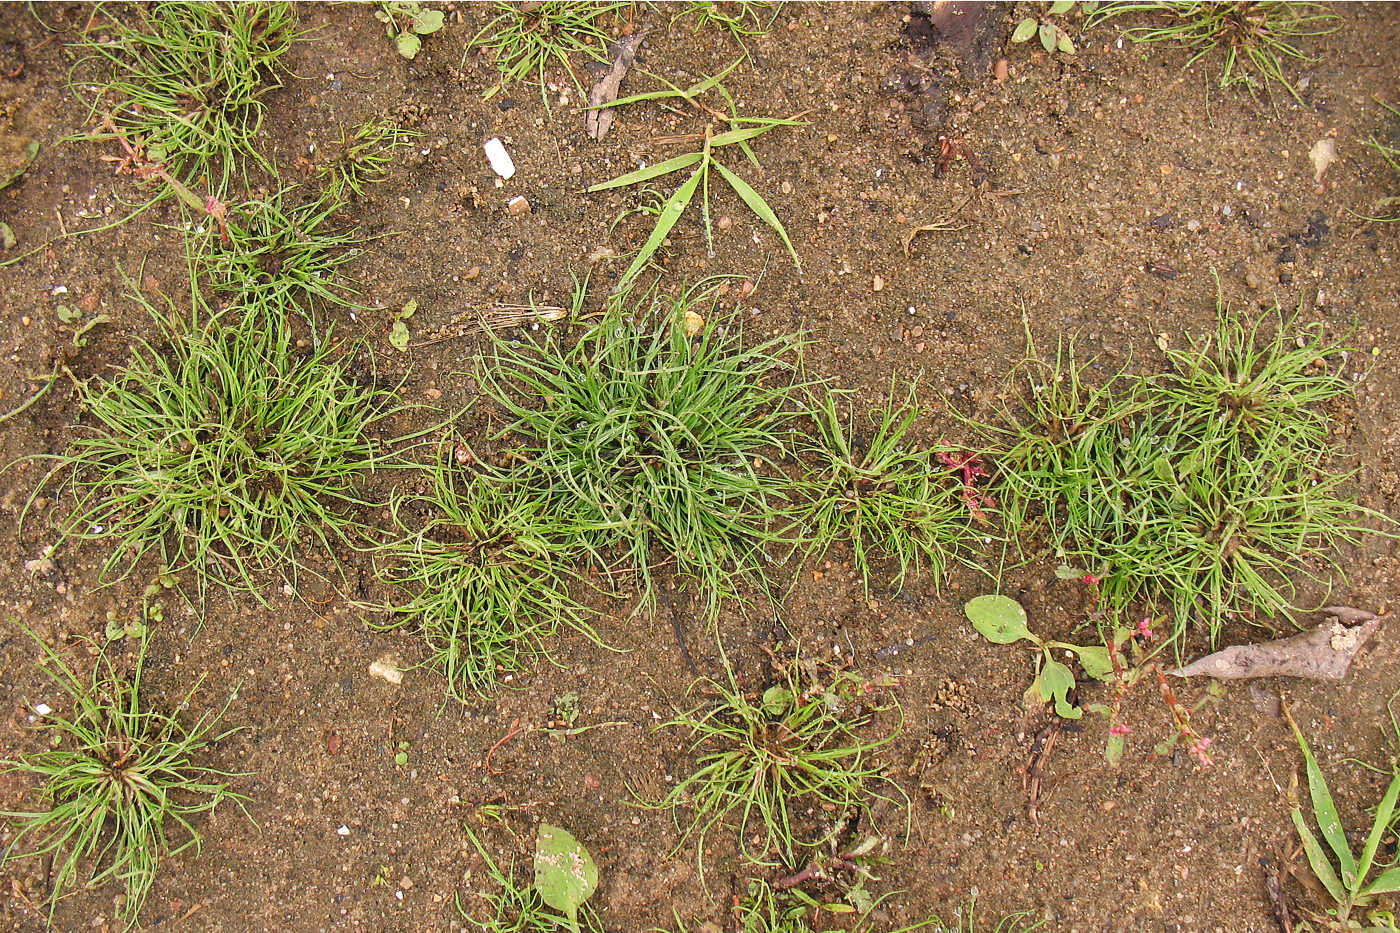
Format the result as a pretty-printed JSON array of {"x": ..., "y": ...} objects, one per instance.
[
  {"x": 597, "y": 122},
  {"x": 387, "y": 668},
  {"x": 1323, "y": 154},
  {"x": 1322, "y": 653}
]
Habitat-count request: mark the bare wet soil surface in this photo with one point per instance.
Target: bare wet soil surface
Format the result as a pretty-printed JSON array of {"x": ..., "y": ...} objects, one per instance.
[{"x": 1113, "y": 191}]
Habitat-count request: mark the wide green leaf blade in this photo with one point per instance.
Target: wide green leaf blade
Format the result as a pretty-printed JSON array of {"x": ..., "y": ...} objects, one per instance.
[
  {"x": 565, "y": 875},
  {"x": 648, "y": 173},
  {"x": 1000, "y": 619},
  {"x": 1024, "y": 30},
  {"x": 730, "y": 137},
  {"x": 1095, "y": 661},
  {"x": 670, "y": 213},
  {"x": 1388, "y": 882},
  {"x": 1318, "y": 858},
  {"x": 759, "y": 206},
  {"x": 1325, "y": 812},
  {"x": 1378, "y": 828}
]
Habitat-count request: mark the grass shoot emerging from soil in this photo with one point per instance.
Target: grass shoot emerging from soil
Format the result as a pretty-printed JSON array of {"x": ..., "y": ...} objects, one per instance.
[
  {"x": 871, "y": 488},
  {"x": 481, "y": 565},
  {"x": 119, "y": 778},
  {"x": 767, "y": 761},
  {"x": 276, "y": 253},
  {"x": 1209, "y": 488},
  {"x": 221, "y": 448},
  {"x": 361, "y": 157},
  {"x": 185, "y": 81},
  {"x": 1257, "y": 37},
  {"x": 654, "y": 434},
  {"x": 523, "y": 41}
]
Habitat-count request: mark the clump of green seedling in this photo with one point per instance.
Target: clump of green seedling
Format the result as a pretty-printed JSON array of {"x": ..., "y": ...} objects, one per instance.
[
  {"x": 406, "y": 21},
  {"x": 725, "y": 128},
  {"x": 525, "y": 40},
  {"x": 1210, "y": 488},
  {"x": 221, "y": 448},
  {"x": 483, "y": 569},
  {"x": 1053, "y": 36},
  {"x": 885, "y": 497},
  {"x": 769, "y": 760},
  {"x": 183, "y": 82},
  {"x": 361, "y": 157},
  {"x": 653, "y": 435},
  {"x": 1257, "y": 37},
  {"x": 122, "y": 780}
]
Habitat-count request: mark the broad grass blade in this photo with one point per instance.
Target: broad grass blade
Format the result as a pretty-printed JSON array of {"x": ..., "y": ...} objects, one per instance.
[
  {"x": 648, "y": 173},
  {"x": 670, "y": 213},
  {"x": 759, "y": 206}
]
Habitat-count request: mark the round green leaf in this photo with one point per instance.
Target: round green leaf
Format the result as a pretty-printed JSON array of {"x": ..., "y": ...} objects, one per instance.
[
  {"x": 1047, "y": 37},
  {"x": 1064, "y": 43},
  {"x": 777, "y": 699},
  {"x": 1000, "y": 619},
  {"x": 398, "y": 336},
  {"x": 565, "y": 875},
  {"x": 408, "y": 44},
  {"x": 427, "y": 21},
  {"x": 1024, "y": 30},
  {"x": 1095, "y": 661},
  {"x": 1061, "y": 7}
]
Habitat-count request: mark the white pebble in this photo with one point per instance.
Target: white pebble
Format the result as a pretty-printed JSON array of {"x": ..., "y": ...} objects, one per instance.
[{"x": 500, "y": 160}]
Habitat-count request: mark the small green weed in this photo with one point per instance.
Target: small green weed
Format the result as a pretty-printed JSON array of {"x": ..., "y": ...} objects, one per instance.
[
  {"x": 119, "y": 777},
  {"x": 787, "y": 767},
  {"x": 1002, "y": 621},
  {"x": 652, "y": 440},
  {"x": 742, "y": 20},
  {"x": 185, "y": 81},
  {"x": 406, "y": 21},
  {"x": 1209, "y": 486},
  {"x": 1257, "y": 37},
  {"x": 884, "y": 497},
  {"x": 361, "y": 157},
  {"x": 482, "y": 566},
  {"x": 1053, "y": 36},
  {"x": 524, "y": 41},
  {"x": 1389, "y": 149},
  {"x": 740, "y": 132},
  {"x": 221, "y": 447},
  {"x": 565, "y": 878},
  {"x": 1346, "y": 880},
  {"x": 278, "y": 254}
]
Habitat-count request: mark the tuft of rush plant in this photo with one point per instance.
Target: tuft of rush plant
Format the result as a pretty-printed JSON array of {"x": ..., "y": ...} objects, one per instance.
[
  {"x": 185, "y": 82},
  {"x": 361, "y": 157},
  {"x": 1209, "y": 487},
  {"x": 524, "y": 41},
  {"x": 788, "y": 768},
  {"x": 742, "y": 20},
  {"x": 482, "y": 567},
  {"x": 1389, "y": 149},
  {"x": 882, "y": 495},
  {"x": 1257, "y": 35},
  {"x": 739, "y": 133},
  {"x": 280, "y": 254},
  {"x": 655, "y": 433},
  {"x": 1346, "y": 882},
  {"x": 221, "y": 448},
  {"x": 514, "y": 908},
  {"x": 121, "y": 780}
]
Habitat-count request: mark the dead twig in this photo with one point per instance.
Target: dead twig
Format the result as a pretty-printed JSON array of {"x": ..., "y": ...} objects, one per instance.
[
  {"x": 515, "y": 729},
  {"x": 944, "y": 223}
]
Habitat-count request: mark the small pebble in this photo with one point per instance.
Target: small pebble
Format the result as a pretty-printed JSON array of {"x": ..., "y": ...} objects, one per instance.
[
  {"x": 786, "y": 187},
  {"x": 725, "y": 222},
  {"x": 1251, "y": 280},
  {"x": 518, "y": 206},
  {"x": 878, "y": 284},
  {"x": 1193, "y": 225},
  {"x": 472, "y": 273},
  {"x": 343, "y": 830},
  {"x": 500, "y": 160}
]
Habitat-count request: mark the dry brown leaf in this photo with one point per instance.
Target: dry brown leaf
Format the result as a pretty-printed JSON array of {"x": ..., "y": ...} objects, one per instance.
[
  {"x": 597, "y": 122},
  {"x": 1323, "y": 154},
  {"x": 1322, "y": 653}
]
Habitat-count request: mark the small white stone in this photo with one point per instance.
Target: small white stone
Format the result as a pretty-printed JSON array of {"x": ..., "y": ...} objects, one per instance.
[
  {"x": 343, "y": 830},
  {"x": 43, "y": 709},
  {"x": 500, "y": 160}
]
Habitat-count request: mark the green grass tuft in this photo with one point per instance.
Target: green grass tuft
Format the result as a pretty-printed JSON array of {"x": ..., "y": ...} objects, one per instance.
[
  {"x": 1257, "y": 37},
  {"x": 657, "y": 445},
  {"x": 787, "y": 768},
  {"x": 523, "y": 42},
  {"x": 483, "y": 568},
  {"x": 185, "y": 81},
  {"x": 120, "y": 779},
  {"x": 361, "y": 157},
  {"x": 870, "y": 487},
  {"x": 221, "y": 448},
  {"x": 1209, "y": 489}
]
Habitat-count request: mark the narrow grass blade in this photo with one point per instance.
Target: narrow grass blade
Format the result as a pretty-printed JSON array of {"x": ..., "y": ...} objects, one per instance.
[
  {"x": 1317, "y": 858},
  {"x": 1325, "y": 812},
  {"x": 1378, "y": 829},
  {"x": 688, "y": 93},
  {"x": 648, "y": 173},
  {"x": 671, "y": 212},
  {"x": 1387, "y": 883},
  {"x": 760, "y": 207}
]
